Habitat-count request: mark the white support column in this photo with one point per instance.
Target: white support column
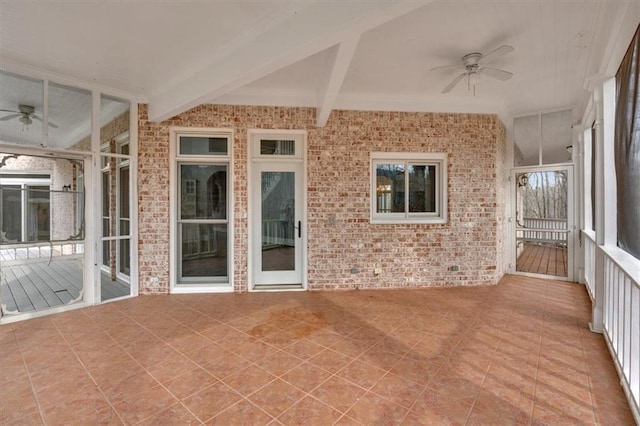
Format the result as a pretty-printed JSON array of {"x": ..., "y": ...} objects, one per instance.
[
  {"x": 578, "y": 160},
  {"x": 597, "y": 318},
  {"x": 605, "y": 220}
]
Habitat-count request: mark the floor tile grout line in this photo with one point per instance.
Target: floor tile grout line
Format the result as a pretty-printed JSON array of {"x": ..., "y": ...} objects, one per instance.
[
  {"x": 108, "y": 400},
  {"x": 31, "y": 386}
]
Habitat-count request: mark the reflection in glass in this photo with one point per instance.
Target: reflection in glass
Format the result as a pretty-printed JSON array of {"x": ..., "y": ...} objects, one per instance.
[
  {"x": 203, "y": 191},
  {"x": 390, "y": 188},
  {"x": 199, "y": 145},
  {"x": 422, "y": 189},
  {"x": 11, "y": 205},
  {"x": 278, "y": 216},
  {"x": 112, "y": 283},
  {"x": 204, "y": 250},
  {"x": 277, "y": 147},
  {"x": 38, "y": 213}
]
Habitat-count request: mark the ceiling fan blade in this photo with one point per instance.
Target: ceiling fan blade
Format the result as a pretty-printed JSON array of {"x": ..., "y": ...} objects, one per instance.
[
  {"x": 454, "y": 82},
  {"x": 35, "y": 117},
  {"x": 9, "y": 110},
  {"x": 9, "y": 117},
  {"x": 496, "y": 73},
  {"x": 446, "y": 67},
  {"x": 495, "y": 54}
]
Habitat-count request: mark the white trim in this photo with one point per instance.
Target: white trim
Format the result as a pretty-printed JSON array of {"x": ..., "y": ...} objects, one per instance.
[
  {"x": 175, "y": 157},
  {"x": 253, "y": 135},
  {"x": 437, "y": 159},
  {"x": 571, "y": 228},
  {"x": 8, "y": 319}
]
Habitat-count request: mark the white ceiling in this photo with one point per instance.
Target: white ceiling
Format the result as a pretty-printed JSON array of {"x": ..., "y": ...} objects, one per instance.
[{"x": 373, "y": 55}]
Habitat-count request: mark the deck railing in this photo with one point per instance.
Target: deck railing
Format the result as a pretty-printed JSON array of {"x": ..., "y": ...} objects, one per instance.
[
  {"x": 621, "y": 318},
  {"x": 21, "y": 252},
  {"x": 276, "y": 233},
  {"x": 544, "y": 230},
  {"x": 589, "y": 243}
]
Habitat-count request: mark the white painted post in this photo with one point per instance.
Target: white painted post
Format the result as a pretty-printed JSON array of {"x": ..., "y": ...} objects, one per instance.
[{"x": 597, "y": 320}]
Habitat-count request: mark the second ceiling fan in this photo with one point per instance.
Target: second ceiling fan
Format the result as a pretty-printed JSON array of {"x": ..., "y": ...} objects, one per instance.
[{"x": 475, "y": 64}]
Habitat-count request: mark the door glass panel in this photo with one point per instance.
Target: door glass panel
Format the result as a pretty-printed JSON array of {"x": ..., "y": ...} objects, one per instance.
[
  {"x": 541, "y": 222},
  {"x": 11, "y": 204},
  {"x": 278, "y": 216},
  {"x": 38, "y": 213},
  {"x": 204, "y": 250},
  {"x": 277, "y": 147},
  {"x": 113, "y": 284},
  {"x": 203, "y": 191}
]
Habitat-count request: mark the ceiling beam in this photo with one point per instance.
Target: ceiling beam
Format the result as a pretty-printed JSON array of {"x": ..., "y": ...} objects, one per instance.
[
  {"x": 315, "y": 27},
  {"x": 339, "y": 66}
]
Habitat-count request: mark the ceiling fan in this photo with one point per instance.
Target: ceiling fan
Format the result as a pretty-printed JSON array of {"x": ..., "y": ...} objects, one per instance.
[
  {"x": 474, "y": 64},
  {"x": 26, "y": 114}
]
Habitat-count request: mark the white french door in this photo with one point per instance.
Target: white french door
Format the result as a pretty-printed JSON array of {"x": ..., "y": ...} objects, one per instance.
[{"x": 277, "y": 212}]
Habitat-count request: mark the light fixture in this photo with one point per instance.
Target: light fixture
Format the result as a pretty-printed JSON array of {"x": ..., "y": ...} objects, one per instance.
[
  {"x": 570, "y": 149},
  {"x": 523, "y": 180},
  {"x": 26, "y": 120}
]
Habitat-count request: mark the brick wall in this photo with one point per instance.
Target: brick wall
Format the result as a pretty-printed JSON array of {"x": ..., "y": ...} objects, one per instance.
[{"x": 341, "y": 239}]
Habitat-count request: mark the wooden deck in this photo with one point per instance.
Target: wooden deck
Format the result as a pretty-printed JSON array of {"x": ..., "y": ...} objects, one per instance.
[
  {"x": 543, "y": 259},
  {"x": 37, "y": 285}
]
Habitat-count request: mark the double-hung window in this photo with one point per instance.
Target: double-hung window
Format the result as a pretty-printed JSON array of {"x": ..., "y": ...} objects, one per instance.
[{"x": 408, "y": 187}]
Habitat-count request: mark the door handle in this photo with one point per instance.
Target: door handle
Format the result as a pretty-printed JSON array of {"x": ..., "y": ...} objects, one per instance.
[{"x": 299, "y": 229}]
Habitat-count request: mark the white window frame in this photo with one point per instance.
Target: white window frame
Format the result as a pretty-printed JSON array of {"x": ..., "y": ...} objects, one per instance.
[
  {"x": 25, "y": 184},
  {"x": 203, "y": 286},
  {"x": 439, "y": 160}
]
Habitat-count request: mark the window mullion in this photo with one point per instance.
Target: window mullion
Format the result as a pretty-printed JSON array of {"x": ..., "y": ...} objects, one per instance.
[{"x": 406, "y": 189}]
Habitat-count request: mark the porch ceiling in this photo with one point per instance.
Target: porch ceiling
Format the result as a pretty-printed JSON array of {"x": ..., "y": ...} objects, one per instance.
[{"x": 326, "y": 54}]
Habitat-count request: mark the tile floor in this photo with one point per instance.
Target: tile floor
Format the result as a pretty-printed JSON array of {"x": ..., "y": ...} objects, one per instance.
[{"x": 516, "y": 353}]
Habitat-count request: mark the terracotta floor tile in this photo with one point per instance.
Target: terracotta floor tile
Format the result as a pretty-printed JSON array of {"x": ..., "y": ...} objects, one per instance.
[
  {"x": 372, "y": 409},
  {"x": 338, "y": 393},
  {"x": 92, "y": 411},
  {"x": 190, "y": 383},
  {"x": 486, "y": 356},
  {"x": 500, "y": 408},
  {"x": 310, "y": 411},
  {"x": 68, "y": 389},
  {"x": 226, "y": 365},
  {"x": 17, "y": 401},
  {"x": 138, "y": 397},
  {"x": 304, "y": 349},
  {"x": 418, "y": 370},
  {"x": 438, "y": 408},
  {"x": 306, "y": 376},
  {"x": 362, "y": 374},
  {"x": 242, "y": 413},
  {"x": 175, "y": 415},
  {"x": 278, "y": 363},
  {"x": 249, "y": 380},
  {"x": 211, "y": 401},
  {"x": 276, "y": 397},
  {"x": 330, "y": 360},
  {"x": 398, "y": 389},
  {"x": 171, "y": 368},
  {"x": 255, "y": 349},
  {"x": 206, "y": 354}
]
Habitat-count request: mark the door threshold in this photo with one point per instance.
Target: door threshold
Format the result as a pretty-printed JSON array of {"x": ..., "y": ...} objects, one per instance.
[{"x": 277, "y": 287}]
